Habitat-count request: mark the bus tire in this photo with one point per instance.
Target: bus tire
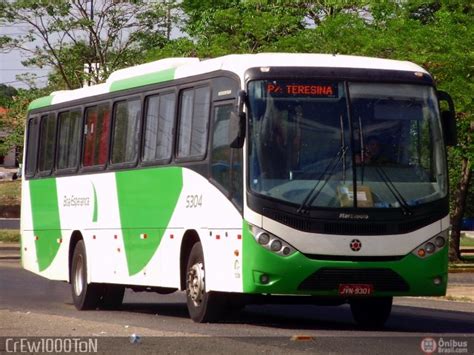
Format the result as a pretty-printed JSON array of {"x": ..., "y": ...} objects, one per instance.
[
  {"x": 85, "y": 295},
  {"x": 111, "y": 297},
  {"x": 203, "y": 307},
  {"x": 371, "y": 312}
]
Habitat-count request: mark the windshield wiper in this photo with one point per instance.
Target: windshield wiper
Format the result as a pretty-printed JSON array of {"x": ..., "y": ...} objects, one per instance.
[
  {"x": 311, "y": 196},
  {"x": 398, "y": 196},
  {"x": 340, "y": 155}
]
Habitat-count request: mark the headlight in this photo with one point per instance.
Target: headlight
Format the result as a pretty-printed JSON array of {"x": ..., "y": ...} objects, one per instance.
[
  {"x": 263, "y": 238},
  {"x": 440, "y": 241},
  {"x": 432, "y": 245},
  {"x": 271, "y": 242}
]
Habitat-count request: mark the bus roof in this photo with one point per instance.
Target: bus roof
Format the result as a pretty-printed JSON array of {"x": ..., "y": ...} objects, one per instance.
[{"x": 175, "y": 68}]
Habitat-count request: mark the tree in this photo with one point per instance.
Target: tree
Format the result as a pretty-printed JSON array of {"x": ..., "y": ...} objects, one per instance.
[
  {"x": 6, "y": 94},
  {"x": 436, "y": 34},
  {"x": 13, "y": 121},
  {"x": 224, "y": 27},
  {"x": 65, "y": 35}
]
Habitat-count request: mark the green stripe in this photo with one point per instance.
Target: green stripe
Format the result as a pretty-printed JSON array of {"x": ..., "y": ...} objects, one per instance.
[
  {"x": 147, "y": 199},
  {"x": 41, "y": 102},
  {"x": 96, "y": 210},
  {"x": 142, "y": 80},
  {"x": 46, "y": 224}
]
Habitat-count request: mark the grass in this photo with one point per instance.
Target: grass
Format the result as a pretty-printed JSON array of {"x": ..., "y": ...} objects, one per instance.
[
  {"x": 457, "y": 298},
  {"x": 467, "y": 242},
  {"x": 10, "y": 193},
  {"x": 9, "y": 235}
]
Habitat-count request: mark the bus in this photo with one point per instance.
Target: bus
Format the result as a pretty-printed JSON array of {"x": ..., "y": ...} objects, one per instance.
[{"x": 253, "y": 178}]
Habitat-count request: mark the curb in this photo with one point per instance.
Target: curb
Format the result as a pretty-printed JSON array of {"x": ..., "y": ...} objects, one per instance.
[{"x": 10, "y": 257}]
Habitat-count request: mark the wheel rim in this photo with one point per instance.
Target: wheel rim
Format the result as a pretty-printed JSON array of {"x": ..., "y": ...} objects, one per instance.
[
  {"x": 78, "y": 276},
  {"x": 196, "y": 283}
]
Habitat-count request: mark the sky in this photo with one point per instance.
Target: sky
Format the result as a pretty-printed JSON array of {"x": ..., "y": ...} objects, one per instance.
[{"x": 10, "y": 63}]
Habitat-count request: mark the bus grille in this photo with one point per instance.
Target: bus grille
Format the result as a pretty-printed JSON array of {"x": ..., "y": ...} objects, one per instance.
[
  {"x": 312, "y": 225},
  {"x": 326, "y": 279}
]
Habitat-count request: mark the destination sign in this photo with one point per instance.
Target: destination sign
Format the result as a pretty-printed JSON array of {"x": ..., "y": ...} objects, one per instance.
[{"x": 290, "y": 88}]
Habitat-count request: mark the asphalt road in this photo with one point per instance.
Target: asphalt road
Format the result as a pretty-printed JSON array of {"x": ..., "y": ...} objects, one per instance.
[
  {"x": 9, "y": 223},
  {"x": 33, "y": 306}
]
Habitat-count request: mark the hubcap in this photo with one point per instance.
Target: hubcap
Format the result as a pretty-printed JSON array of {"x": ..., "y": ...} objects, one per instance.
[
  {"x": 78, "y": 278},
  {"x": 196, "y": 283}
]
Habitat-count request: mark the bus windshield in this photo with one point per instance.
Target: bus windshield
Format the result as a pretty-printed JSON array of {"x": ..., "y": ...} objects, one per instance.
[{"x": 314, "y": 143}]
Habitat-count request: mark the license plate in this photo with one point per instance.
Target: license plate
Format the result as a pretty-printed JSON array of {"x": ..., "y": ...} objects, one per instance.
[{"x": 356, "y": 289}]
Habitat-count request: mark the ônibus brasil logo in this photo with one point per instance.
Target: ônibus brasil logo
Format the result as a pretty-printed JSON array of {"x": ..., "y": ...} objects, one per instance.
[{"x": 428, "y": 345}]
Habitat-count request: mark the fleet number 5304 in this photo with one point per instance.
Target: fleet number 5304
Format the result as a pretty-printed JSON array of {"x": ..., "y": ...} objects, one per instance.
[{"x": 193, "y": 201}]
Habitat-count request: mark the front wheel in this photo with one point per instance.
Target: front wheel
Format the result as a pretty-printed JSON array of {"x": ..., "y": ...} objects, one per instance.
[
  {"x": 371, "y": 312},
  {"x": 202, "y": 306}
]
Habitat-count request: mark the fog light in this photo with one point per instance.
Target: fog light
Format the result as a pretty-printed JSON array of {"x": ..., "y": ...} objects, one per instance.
[
  {"x": 263, "y": 239},
  {"x": 437, "y": 280},
  {"x": 430, "y": 248},
  {"x": 264, "y": 279},
  {"x": 276, "y": 245},
  {"x": 440, "y": 242}
]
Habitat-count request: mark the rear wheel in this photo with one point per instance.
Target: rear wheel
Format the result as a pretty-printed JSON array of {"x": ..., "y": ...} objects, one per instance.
[
  {"x": 91, "y": 295},
  {"x": 202, "y": 306},
  {"x": 111, "y": 296},
  {"x": 84, "y": 295},
  {"x": 371, "y": 312}
]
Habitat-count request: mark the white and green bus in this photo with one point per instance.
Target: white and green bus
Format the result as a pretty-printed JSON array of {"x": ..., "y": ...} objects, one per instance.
[{"x": 300, "y": 178}]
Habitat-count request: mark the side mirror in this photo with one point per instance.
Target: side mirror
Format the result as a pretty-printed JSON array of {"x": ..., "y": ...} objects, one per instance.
[
  {"x": 237, "y": 123},
  {"x": 448, "y": 120}
]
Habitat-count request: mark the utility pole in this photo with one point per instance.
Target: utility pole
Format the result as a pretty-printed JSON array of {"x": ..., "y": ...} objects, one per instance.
[{"x": 91, "y": 44}]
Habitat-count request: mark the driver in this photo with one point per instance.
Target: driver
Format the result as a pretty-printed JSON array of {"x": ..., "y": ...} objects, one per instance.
[{"x": 372, "y": 153}]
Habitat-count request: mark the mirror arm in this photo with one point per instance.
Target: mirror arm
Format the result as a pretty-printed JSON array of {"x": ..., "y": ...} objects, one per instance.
[{"x": 448, "y": 119}]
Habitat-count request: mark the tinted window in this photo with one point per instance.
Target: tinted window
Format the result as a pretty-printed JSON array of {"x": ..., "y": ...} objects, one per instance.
[
  {"x": 32, "y": 146},
  {"x": 126, "y": 136},
  {"x": 69, "y": 139},
  {"x": 159, "y": 127},
  {"x": 47, "y": 142},
  {"x": 221, "y": 152},
  {"x": 96, "y": 135},
  {"x": 194, "y": 117}
]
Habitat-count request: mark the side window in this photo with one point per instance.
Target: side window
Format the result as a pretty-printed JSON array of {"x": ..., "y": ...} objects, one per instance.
[
  {"x": 193, "y": 123},
  {"x": 32, "y": 146},
  {"x": 69, "y": 139},
  {"x": 159, "y": 122},
  {"x": 126, "y": 132},
  {"x": 221, "y": 152},
  {"x": 47, "y": 143},
  {"x": 96, "y": 135}
]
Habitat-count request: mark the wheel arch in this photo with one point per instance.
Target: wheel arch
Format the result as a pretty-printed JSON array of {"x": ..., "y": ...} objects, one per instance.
[
  {"x": 190, "y": 238},
  {"x": 76, "y": 236}
]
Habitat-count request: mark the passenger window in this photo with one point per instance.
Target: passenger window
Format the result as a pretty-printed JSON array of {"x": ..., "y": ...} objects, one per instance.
[
  {"x": 126, "y": 135},
  {"x": 69, "y": 139},
  {"x": 194, "y": 119},
  {"x": 32, "y": 146},
  {"x": 96, "y": 135},
  {"x": 159, "y": 122},
  {"x": 47, "y": 142}
]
